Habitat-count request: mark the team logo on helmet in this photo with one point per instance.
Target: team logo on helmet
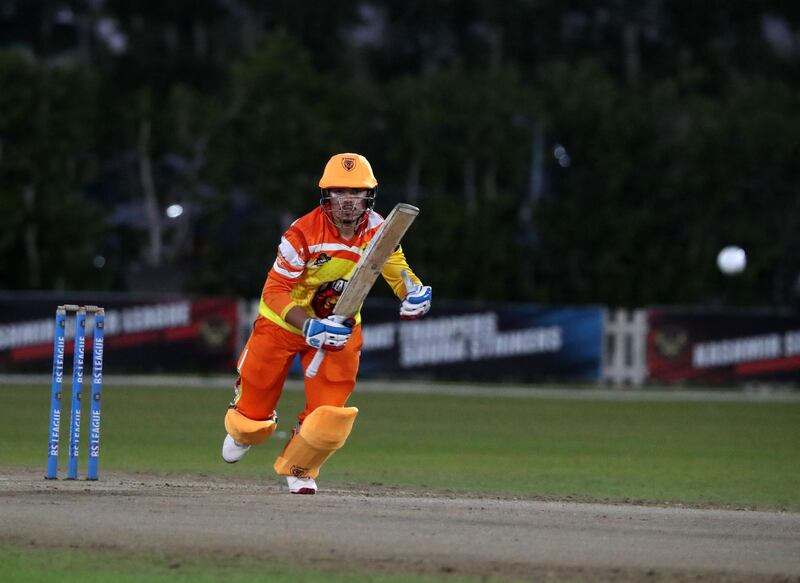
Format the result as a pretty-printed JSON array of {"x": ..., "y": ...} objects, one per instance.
[{"x": 348, "y": 163}]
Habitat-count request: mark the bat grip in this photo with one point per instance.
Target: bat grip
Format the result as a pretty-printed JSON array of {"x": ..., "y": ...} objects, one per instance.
[{"x": 313, "y": 368}]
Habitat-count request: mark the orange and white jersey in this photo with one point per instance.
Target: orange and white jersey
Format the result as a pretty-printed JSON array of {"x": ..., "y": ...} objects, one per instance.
[{"x": 314, "y": 263}]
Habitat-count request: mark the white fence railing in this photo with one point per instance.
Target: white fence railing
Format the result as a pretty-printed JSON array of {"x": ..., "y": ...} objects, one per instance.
[{"x": 625, "y": 347}]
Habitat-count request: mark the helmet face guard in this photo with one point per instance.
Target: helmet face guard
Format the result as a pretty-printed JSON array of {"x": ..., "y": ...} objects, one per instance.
[
  {"x": 352, "y": 173},
  {"x": 338, "y": 210}
]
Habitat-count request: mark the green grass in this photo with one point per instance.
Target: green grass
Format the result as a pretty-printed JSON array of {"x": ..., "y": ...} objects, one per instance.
[
  {"x": 739, "y": 454},
  {"x": 39, "y": 565}
]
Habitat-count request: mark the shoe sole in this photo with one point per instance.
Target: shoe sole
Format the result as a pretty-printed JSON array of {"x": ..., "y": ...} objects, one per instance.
[
  {"x": 227, "y": 461},
  {"x": 307, "y": 491}
]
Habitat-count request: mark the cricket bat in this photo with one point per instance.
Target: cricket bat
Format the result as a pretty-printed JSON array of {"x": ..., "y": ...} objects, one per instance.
[{"x": 369, "y": 267}]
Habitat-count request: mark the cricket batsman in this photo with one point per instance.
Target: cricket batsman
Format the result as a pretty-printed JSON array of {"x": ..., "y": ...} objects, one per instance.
[{"x": 315, "y": 259}]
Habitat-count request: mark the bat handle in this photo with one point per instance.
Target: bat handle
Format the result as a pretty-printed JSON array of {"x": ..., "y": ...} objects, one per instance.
[
  {"x": 410, "y": 285},
  {"x": 313, "y": 368}
]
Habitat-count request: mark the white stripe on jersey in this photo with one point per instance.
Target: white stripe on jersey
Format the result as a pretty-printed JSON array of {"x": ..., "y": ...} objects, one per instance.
[
  {"x": 333, "y": 247},
  {"x": 286, "y": 273},
  {"x": 290, "y": 254}
]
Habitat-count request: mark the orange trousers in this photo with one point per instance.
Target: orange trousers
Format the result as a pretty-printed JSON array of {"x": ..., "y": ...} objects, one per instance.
[{"x": 265, "y": 362}]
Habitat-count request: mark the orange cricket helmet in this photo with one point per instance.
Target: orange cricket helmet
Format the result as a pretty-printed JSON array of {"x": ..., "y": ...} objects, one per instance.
[{"x": 348, "y": 171}]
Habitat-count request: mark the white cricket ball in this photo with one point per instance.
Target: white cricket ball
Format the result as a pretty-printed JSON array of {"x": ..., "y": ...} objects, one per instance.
[{"x": 732, "y": 260}]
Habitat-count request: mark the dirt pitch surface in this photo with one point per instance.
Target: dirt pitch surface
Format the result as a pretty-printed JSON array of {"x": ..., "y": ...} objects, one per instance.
[{"x": 349, "y": 528}]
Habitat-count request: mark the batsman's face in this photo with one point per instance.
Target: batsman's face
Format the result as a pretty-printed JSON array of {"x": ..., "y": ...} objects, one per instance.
[{"x": 348, "y": 204}]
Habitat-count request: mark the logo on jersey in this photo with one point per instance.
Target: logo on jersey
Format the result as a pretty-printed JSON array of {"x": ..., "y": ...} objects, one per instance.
[
  {"x": 348, "y": 163},
  {"x": 326, "y": 297},
  {"x": 322, "y": 259}
]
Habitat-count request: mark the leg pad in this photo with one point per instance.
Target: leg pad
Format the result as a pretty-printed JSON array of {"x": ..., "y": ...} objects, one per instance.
[
  {"x": 248, "y": 431},
  {"x": 323, "y": 432}
]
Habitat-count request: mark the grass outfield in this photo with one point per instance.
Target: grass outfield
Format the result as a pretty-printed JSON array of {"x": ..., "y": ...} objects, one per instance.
[
  {"x": 37, "y": 565},
  {"x": 736, "y": 454}
]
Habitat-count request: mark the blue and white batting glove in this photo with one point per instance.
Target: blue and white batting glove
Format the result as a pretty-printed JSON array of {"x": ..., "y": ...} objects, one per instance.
[
  {"x": 331, "y": 333},
  {"x": 417, "y": 301}
]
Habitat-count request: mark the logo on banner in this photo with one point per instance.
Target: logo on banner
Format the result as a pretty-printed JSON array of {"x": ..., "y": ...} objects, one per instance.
[
  {"x": 472, "y": 337},
  {"x": 215, "y": 332},
  {"x": 671, "y": 341}
]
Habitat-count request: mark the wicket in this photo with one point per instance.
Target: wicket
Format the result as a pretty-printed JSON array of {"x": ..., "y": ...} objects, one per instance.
[{"x": 77, "y": 383}]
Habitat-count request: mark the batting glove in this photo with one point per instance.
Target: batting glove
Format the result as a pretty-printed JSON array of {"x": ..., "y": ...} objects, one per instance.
[
  {"x": 331, "y": 333},
  {"x": 417, "y": 301}
]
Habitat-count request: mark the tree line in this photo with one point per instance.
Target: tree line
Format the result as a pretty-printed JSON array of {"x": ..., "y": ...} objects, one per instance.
[{"x": 602, "y": 153}]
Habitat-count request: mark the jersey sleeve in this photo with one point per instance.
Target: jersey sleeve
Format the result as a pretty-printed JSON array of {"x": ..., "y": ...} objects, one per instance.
[
  {"x": 286, "y": 271},
  {"x": 391, "y": 272}
]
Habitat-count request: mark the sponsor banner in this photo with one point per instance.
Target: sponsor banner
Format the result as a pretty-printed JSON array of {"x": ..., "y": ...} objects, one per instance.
[
  {"x": 723, "y": 346},
  {"x": 142, "y": 334},
  {"x": 497, "y": 342}
]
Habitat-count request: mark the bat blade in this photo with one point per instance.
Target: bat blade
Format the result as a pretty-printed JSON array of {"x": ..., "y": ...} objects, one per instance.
[
  {"x": 374, "y": 258},
  {"x": 369, "y": 267}
]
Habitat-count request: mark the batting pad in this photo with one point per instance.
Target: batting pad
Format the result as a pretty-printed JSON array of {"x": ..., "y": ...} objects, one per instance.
[
  {"x": 246, "y": 430},
  {"x": 323, "y": 432}
]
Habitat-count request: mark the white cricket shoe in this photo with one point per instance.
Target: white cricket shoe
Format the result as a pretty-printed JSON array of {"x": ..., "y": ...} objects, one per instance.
[
  {"x": 301, "y": 485},
  {"x": 232, "y": 450}
]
